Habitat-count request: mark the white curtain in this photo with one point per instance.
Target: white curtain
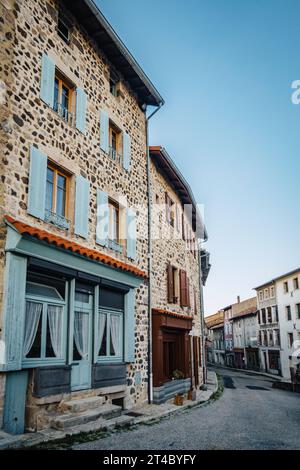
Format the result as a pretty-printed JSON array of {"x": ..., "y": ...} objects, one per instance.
[
  {"x": 81, "y": 333},
  {"x": 101, "y": 328},
  {"x": 115, "y": 333},
  {"x": 55, "y": 317},
  {"x": 32, "y": 318}
]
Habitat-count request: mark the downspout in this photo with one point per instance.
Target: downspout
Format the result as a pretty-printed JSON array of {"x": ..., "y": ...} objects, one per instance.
[
  {"x": 202, "y": 316},
  {"x": 149, "y": 197}
]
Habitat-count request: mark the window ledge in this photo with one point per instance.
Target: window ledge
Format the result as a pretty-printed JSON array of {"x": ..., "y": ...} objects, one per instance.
[{"x": 58, "y": 220}]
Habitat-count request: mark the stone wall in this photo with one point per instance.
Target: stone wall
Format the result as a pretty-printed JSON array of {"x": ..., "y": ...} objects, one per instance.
[
  {"x": 169, "y": 247},
  {"x": 27, "y": 120}
]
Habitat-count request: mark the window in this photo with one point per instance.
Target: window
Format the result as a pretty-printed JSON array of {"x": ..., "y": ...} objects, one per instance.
[
  {"x": 272, "y": 292},
  {"x": 63, "y": 28},
  {"x": 173, "y": 284},
  {"x": 57, "y": 191},
  {"x": 269, "y": 315},
  {"x": 261, "y": 295},
  {"x": 290, "y": 340},
  {"x": 288, "y": 312},
  {"x": 44, "y": 333},
  {"x": 110, "y": 335},
  {"x": 265, "y": 338},
  {"x": 296, "y": 283},
  {"x": 64, "y": 98},
  {"x": 115, "y": 143},
  {"x": 276, "y": 313},
  {"x": 170, "y": 210},
  {"x": 298, "y": 311},
  {"x": 114, "y": 237},
  {"x": 263, "y": 315},
  {"x": 113, "y": 83},
  {"x": 266, "y": 293},
  {"x": 285, "y": 287}
]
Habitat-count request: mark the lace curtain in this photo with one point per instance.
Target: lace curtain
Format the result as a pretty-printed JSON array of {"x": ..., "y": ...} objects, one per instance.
[
  {"x": 115, "y": 334},
  {"x": 101, "y": 328},
  {"x": 55, "y": 318},
  {"x": 81, "y": 333},
  {"x": 32, "y": 318}
]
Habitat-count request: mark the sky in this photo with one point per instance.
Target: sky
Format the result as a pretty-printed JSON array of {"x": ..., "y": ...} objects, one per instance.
[{"x": 225, "y": 70}]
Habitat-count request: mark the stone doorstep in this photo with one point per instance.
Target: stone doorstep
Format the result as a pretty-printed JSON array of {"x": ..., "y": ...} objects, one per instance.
[
  {"x": 83, "y": 404},
  {"x": 62, "y": 421}
]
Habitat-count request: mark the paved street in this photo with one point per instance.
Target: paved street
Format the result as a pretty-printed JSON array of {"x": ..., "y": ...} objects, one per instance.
[{"x": 249, "y": 415}]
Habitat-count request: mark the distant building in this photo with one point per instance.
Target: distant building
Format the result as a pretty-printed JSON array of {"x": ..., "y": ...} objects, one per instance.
[
  {"x": 228, "y": 336},
  {"x": 215, "y": 338},
  {"x": 245, "y": 334}
]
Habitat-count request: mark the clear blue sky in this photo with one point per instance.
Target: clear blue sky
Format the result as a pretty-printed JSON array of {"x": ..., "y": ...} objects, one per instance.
[{"x": 225, "y": 68}]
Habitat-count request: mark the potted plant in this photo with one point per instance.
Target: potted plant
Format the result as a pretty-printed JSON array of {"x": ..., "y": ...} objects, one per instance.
[
  {"x": 178, "y": 400},
  {"x": 178, "y": 375}
]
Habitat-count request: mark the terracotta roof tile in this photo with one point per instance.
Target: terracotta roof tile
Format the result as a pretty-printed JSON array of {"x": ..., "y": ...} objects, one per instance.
[
  {"x": 56, "y": 240},
  {"x": 171, "y": 314}
]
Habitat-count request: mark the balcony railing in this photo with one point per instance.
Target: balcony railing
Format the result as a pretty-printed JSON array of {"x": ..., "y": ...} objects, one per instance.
[
  {"x": 115, "y": 155},
  {"x": 113, "y": 245},
  {"x": 65, "y": 114},
  {"x": 57, "y": 220}
]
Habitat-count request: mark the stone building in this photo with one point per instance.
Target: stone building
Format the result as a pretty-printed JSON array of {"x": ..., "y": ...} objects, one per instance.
[
  {"x": 215, "y": 338},
  {"x": 228, "y": 336},
  {"x": 177, "y": 231},
  {"x": 245, "y": 334},
  {"x": 268, "y": 334},
  {"x": 73, "y": 217}
]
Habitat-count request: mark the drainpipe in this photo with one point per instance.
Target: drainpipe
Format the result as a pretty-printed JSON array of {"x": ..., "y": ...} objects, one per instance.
[
  {"x": 149, "y": 196},
  {"x": 202, "y": 317}
]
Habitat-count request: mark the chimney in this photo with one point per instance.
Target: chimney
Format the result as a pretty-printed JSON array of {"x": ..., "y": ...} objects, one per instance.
[{"x": 238, "y": 299}]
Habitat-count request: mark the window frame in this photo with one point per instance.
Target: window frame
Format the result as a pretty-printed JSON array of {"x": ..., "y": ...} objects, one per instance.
[
  {"x": 64, "y": 81},
  {"x": 45, "y": 301},
  {"x": 288, "y": 311},
  {"x": 296, "y": 283},
  {"x": 61, "y": 18},
  {"x": 115, "y": 153},
  {"x": 58, "y": 171},
  {"x": 108, "y": 359},
  {"x": 286, "y": 287}
]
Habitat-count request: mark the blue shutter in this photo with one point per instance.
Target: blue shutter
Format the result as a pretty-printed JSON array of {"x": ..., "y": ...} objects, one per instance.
[
  {"x": 82, "y": 206},
  {"x": 47, "y": 80},
  {"x": 102, "y": 218},
  {"x": 131, "y": 233},
  {"x": 14, "y": 310},
  {"x": 129, "y": 334},
  {"x": 104, "y": 131},
  {"x": 37, "y": 183},
  {"x": 81, "y": 106},
  {"x": 126, "y": 151}
]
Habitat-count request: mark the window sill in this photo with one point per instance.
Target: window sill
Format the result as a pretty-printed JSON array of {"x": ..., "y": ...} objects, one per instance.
[
  {"x": 57, "y": 220},
  {"x": 32, "y": 363}
]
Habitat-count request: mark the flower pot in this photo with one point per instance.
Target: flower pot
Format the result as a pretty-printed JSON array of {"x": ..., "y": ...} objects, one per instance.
[{"x": 178, "y": 400}]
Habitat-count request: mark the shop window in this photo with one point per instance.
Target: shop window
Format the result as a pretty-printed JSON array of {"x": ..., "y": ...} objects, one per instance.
[
  {"x": 115, "y": 143},
  {"x": 64, "y": 98},
  {"x": 44, "y": 331},
  {"x": 57, "y": 193},
  {"x": 110, "y": 335}
]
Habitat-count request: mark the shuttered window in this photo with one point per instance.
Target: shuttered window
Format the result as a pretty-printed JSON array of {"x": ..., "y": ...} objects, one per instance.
[
  {"x": 170, "y": 282},
  {"x": 184, "y": 289}
]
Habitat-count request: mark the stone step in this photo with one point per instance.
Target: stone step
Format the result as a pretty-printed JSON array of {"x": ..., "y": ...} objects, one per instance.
[
  {"x": 63, "y": 421},
  {"x": 82, "y": 404}
]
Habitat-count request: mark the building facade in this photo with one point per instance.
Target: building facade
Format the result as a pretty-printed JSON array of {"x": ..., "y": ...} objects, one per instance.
[
  {"x": 228, "y": 336},
  {"x": 288, "y": 303},
  {"x": 268, "y": 335},
  {"x": 245, "y": 334},
  {"x": 74, "y": 237},
  {"x": 177, "y": 228},
  {"x": 215, "y": 344}
]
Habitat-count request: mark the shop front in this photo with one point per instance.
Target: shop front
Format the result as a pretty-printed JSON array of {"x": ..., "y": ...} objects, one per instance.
[{"x": 69, "y": 328}]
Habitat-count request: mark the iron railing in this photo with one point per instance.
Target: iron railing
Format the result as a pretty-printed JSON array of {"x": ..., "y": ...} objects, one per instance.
[
  {"x": 65, "y": 114},
  {"x": 115, "y": 155},
  {"x": 56, "y": 219}
]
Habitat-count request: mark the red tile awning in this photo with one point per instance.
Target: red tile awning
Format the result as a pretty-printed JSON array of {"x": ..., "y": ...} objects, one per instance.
[{"x": 61, "y": 242}]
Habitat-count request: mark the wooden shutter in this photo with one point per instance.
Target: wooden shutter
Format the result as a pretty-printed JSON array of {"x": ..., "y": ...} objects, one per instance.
[
  {"x": 126, "y": 151},
  {"x": 195, "y": 302},
  {"x": 104, "y": 131},
  {"x": 102, "y": 228},
  {"x": 170, "y": 284},
  {"x": 81, "y": 107},
  {"x": 129, "y": 334},
  {"x": 188, "y": 298},
  {"x": 47, "y": 80},
  {"x": 37, "y": 183},
  {"x": 183, "y": 290},
  {"x": 131, "y": 233},
  {"x": 82, "y": 206}
]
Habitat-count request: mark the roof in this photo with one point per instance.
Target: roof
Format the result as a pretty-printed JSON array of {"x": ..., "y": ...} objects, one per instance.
[
  {"x": 214, "y": 321},
  {"x": 163, "y": 161},
  {"x": 90, "y": 17},
  {"x": 244, "y": 308},
  {"x": 290, "y": 273},
  {"x": 68, "y": 245},
  {"x": 160, "y": 311}
]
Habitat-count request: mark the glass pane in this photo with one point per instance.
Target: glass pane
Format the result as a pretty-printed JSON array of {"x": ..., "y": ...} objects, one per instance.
[
  {"x": 102, "y": 350},
  {"x": 56, "y": 94},
  {"x": 61, "y": 202},
  {"x": 49, "y": 189},
  {"x": 65, "y": 99},
  {"x": 35, "y": 351},
  {"x": 81, "y": 333},
  {"x": 42, "y": 291},
  {"x": 115, "y": 326},
  {"x": 82, "y": 297},
  {"x": 54, "y": 344}
]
